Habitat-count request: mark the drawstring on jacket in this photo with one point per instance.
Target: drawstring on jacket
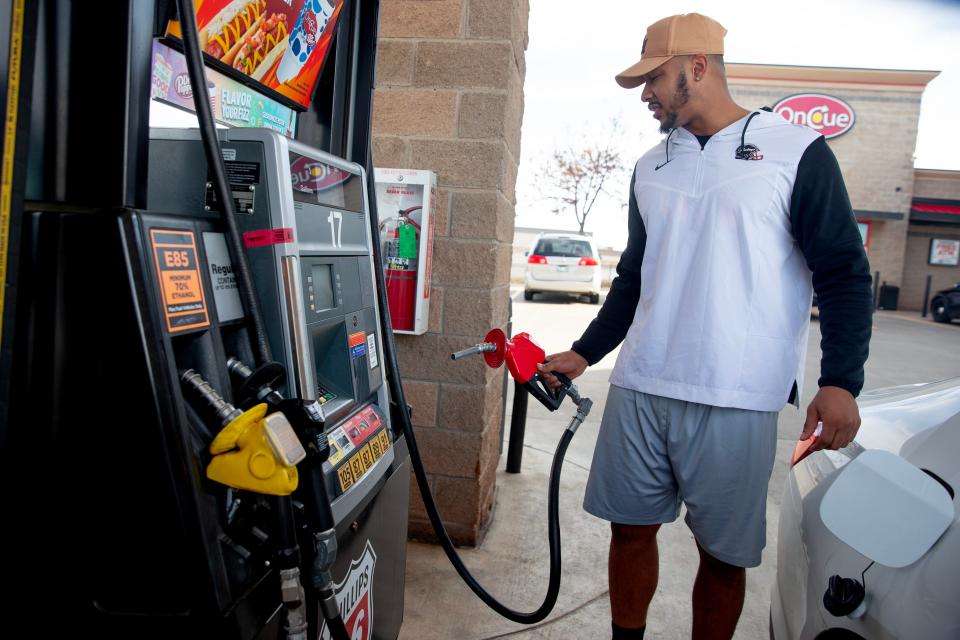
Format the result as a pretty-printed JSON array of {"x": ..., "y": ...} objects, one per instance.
[
  {"x": 747, "y": 151},
  {"x": 669, "y": 135},
  {"x": 744, "y": 151}
]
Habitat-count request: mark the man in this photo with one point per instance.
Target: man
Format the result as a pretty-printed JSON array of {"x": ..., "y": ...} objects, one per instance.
[{"x": 732, "y": 218}]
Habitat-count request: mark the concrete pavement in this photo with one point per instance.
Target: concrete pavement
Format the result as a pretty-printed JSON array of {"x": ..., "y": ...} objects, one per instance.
[{"x": 513, "y": 561}]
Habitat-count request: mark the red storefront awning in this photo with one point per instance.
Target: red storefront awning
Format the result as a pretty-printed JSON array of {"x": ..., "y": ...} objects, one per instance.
[{"x": 935, "y": 208}]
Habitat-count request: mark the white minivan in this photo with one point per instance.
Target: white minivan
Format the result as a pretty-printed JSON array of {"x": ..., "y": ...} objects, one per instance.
[{"x": 563, "y": 263}]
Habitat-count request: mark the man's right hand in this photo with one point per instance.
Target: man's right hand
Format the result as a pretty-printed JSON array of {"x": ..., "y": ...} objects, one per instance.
[{"x": 569, "y": 363}]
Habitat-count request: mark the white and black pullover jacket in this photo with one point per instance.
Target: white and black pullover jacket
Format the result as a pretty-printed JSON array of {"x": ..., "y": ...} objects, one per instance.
[{"x": 713, "y": 292}]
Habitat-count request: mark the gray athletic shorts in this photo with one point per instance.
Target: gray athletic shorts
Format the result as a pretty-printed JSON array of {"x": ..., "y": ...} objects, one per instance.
[{"x": 654, "y": 453}]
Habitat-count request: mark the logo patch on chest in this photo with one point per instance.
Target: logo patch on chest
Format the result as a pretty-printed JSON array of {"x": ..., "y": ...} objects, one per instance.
[{"x": 748, "y": 152}]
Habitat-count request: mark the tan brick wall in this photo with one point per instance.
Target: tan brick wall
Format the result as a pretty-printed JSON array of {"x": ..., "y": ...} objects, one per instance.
[
  {"x": 888, "y": 243},
  {"x": 449, "y": 98},
  {"x": 930, "y": 183},
  {"x": 875, "y": 156}
]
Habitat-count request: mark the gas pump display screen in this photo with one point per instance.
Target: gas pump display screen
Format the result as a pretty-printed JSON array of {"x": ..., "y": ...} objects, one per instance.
[
  {"x": 316, "y": 182},
  {"x": 323, "y": 287}
]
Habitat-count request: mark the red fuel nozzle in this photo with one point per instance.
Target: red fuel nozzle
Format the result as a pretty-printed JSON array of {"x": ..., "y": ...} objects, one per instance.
[{"x": 521, "y": 353}]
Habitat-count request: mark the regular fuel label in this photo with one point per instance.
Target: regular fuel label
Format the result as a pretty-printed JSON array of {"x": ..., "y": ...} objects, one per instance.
[{"x": 178, "y": 274}]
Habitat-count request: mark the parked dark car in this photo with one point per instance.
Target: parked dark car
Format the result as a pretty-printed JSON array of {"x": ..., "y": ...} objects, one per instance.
[{"x": 945, "y": 305}]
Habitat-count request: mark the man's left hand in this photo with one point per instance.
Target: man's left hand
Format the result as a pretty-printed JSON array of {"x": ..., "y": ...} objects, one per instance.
[{"x": 838, "y": 411}]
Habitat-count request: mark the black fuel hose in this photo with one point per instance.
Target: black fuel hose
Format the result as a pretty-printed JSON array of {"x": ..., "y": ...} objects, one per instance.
[
  {"x": 211, "y": 146},
  {"x": 396, "y": 390},
  {"x": 288, "y": 553},
  {"x": 337, "y": 629}
]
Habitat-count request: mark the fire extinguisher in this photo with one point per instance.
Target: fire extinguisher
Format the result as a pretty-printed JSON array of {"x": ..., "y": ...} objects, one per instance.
[{"x": 400, "y": 252}]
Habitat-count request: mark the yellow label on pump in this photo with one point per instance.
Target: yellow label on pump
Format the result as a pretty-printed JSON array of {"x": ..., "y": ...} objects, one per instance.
[
  {"x": 345, "y": 474},
  {"x": 364, "y": 459},
  {"x": 9, "y": 141}
]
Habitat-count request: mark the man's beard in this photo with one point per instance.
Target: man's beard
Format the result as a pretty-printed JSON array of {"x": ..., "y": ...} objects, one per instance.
[{"x": 680, "y": 98}]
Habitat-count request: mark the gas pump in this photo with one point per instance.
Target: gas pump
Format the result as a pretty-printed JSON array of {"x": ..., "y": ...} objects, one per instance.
[
  {"x": 306, "y": 235},
  {"x": 303, "y": 225},
  {"x": 240, "y": 476}
]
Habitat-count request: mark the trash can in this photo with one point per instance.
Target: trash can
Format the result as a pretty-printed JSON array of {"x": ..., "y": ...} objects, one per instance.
[{"x": 889, "y": 295}]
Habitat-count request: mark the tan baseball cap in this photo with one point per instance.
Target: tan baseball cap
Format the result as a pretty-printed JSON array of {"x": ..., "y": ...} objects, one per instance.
[{"x": 680, "y": 35}]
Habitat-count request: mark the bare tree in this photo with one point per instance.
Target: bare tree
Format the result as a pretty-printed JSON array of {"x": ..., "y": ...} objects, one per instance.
[{"x": 573, "y": 178}]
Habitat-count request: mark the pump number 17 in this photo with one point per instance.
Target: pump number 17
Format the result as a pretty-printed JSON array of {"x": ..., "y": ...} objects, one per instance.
[{"x": 336, "y": 228}]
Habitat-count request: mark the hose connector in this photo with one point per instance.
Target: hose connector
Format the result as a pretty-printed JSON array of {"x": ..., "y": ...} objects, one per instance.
[
  {"x": 584, "y": 405},
  {"x": 202, "y": 389},
  {"x": 483, "y": 347},
  {"x": 294, "y": 602},
  {"x": 238, "y": 368}
]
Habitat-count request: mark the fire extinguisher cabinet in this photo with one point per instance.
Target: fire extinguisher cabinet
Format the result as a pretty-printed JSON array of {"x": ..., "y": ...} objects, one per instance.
[{"x": 405, "y": 199}]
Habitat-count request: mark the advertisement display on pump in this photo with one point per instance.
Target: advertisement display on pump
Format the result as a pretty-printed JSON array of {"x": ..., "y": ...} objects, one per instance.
[{"x": 280, "y": 44}]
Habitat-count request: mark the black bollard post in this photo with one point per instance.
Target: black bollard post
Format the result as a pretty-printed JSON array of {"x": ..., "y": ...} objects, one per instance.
[
  {"x": 876, "y": 290},
  {"x": 518, "y": 424},
  {"x": 926, "y": 296}
]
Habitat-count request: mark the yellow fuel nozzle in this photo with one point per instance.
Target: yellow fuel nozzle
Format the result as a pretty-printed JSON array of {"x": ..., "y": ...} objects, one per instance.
[
  {"x": 254, "y": 451},
  {"x": 258, "y": 453}
]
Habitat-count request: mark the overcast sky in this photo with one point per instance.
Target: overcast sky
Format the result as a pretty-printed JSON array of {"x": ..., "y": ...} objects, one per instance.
[{"x": 576, "y": 48}]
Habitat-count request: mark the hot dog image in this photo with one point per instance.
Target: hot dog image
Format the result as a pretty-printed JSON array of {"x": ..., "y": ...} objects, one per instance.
[
  {"x": 223, "y": 36},
  {"x": 280, "y": 44},
  {"x": 262, "y": 46}
]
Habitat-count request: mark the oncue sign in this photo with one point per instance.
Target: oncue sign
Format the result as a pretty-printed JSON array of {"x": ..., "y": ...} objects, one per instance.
[{"x": 828, "y": 115}]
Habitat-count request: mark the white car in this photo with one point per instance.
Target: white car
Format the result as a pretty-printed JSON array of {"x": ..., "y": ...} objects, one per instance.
[
  {"x": 869, "y": 540},
  {"x": 563, "y": 263}
]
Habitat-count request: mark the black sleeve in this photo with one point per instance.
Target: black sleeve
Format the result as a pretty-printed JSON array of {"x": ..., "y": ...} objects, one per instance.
[
  {"x": 615, "y": 317},
  {"x": 826, "y": 230}
]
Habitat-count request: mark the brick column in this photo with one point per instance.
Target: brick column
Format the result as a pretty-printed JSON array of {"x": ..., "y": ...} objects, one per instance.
[{"x": 449, "y": 98}]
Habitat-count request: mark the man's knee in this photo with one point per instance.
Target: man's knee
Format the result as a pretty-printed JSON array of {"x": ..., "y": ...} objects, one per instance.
[
  {"x": 717, "y": 566},
  {"x": 627, "y": 535}
]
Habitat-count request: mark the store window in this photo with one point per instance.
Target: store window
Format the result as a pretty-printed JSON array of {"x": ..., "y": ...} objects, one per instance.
[{"x": 864, "y": 228}]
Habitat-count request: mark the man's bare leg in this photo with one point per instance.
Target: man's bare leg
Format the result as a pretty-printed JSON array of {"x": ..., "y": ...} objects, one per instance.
[
  {"x": 633, "y": 568},
  {"x": 717, "y": 598}
]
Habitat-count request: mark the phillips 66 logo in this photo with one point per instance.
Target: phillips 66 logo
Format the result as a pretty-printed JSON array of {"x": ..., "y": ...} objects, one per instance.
[
  {"x": 355, "y": 597},
  {"x": 828, "y": 115}
]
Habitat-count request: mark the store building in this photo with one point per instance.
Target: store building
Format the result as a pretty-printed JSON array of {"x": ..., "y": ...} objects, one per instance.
[
  {"x": 909, "y": 218},
  {"x": 933, "y": 238}
]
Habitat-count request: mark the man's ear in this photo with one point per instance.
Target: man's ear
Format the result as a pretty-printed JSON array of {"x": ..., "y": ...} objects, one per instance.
[{"x": 699, "y": 65}]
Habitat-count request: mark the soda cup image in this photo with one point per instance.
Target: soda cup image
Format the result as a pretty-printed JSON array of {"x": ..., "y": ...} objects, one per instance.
[
  {"x": 304, "y": 36},
  {"x": 212, "y": 92}
]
